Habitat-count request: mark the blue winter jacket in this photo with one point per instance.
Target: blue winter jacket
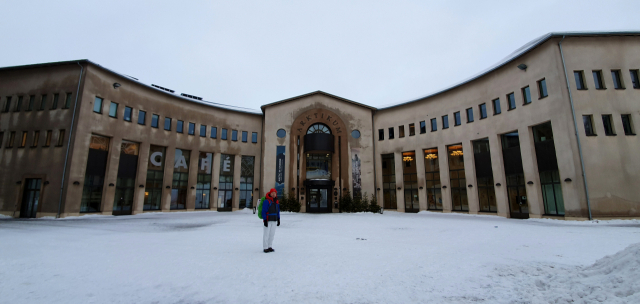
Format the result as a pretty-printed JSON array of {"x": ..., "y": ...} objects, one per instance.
[{"x": 266, "y": 207}]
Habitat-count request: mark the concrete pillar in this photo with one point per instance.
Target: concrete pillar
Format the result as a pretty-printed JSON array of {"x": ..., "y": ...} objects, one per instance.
[
  {"x": 193, "y": 179},
  {"x": 215, "y": 181},
  {"x": 111, "y": 175},
  {"x": 397, "y": 159},
  {"x": 169, "y": 164},
  {"x": 530, "y": 167},
  {"x": 422, "y": 193},
  {"x": 497, "y": 165},
  {"x": 470, "y": 177},
  {"x": 443, "y": 158},
  {"x": 237, "y": 167},
  {"x": 141, "y": 178}
]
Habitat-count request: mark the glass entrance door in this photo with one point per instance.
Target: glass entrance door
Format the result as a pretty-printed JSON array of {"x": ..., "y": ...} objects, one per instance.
[
  {"x": 319, "y": 200},
  {"x": 411, "y": 203},
  {"x": 517, "y": 196},
  {"x": 30, "y": 198}
]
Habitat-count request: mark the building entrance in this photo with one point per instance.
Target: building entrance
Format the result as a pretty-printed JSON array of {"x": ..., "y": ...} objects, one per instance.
[
  {"x": 513, "y": 170},
  {"x": 319, "y": 200},
  {"x": 30, "y": 198}
]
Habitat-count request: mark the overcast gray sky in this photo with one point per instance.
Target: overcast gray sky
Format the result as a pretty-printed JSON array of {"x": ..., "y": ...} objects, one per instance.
[{"x": 250, "y": 53}]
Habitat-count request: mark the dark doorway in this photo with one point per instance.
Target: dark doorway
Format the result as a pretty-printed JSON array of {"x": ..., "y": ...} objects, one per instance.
[
  {"x": 518, "y": 206},
  {"x": 319, "y": 199},
  {"x": 125, "y": 184},
  {"x": 30, "y": 198}
]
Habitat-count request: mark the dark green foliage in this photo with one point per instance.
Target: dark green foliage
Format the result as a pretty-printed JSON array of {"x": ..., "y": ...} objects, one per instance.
[
  {"x": 289, "y": 202},
  {"x": 358, "y": 203}
]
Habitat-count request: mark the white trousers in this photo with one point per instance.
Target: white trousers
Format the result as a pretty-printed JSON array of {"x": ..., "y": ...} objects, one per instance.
[{"x": 269, "y": 233}]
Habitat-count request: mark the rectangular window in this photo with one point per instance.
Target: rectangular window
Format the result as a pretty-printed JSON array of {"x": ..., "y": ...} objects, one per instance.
[
  {"x": 223, "y": 134},
  {"x": 43, "y": 102},
  {"x": 579, "y": 76},
  {"x": 617, "y": 80},
  {"x": 456, "y": 119},
  {"x": 167, "y": 123},
  {"x": 192, "y": 128},
  {"x": 97, "y": 105},
  {"x": 18, "y": 104},
  {"x": 127, "y": 114},
  {"x": 225, "y": 182},
  {"x": 254, "y": 137},
  {"x": 214, "y": 132},
  {"x": 457, "y": 178},
  {"x": 389, "y": 191},
  {"x": 154, "y": 183},
  {"x": 245, "y": 134},
  {"x": 234, "y": 135},
  {"x": 391, "y": 135},
  {"x": 484, "y": 175},
  {"x": 401, "y": 131},
  {"x": 113, "y": 110},
  {"x": 469, "y": 115},
  {"x": 246, "y": 181},
  {"x": 180, "y": 126},
  {"x": 92, "y": 188},
  {"x": 608, "y": 125},
  {"x": 32, "y": 101},
  {"x": 203, "y": 186},
  {"x": 179, "y": 185},
  {"x": 445, "y": 122},
  {"x": 23, "y": 141},
  {"x": 434, "y": 124},
  {"x": 203, "y": 131},
  {"x": 496, "y": 106},
  {"x": 412, "y": 129},
  {"x": 55, "y": 101},
  {"x": 142, "y": 117},
  {"x": 635, "y": 79},
  {"x": 542, "y": 89},
  {"x": 67, "y": 101},
  {"x": 380, "y": 134},
  {"x": 597, "y": 79},
  {"x": 154, "y": 120},
  {"x": 1, "y": 138},
  {"x": 423, "y": 127},
  {"x": 526, "y": 95},
  {"x": 588, "y": 125},
  {"x": 483, "y": 111},
  {"x": 12, "y": 137},
  {"x": 7, "y": 104},
  {"x": 60, "y": 138},
  {"x": 626, "y": 124},
  {"x": 511, "y": 101},
  {"x": 36, "y": 138},
  {"x": 47, "y": 140},
  {"x": 432, "y": 179}
]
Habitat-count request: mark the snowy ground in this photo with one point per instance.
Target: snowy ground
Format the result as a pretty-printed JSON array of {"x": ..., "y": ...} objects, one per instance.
[{"x": 211, "y": 257}]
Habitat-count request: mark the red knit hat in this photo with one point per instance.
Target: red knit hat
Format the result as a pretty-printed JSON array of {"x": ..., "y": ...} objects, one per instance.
[{"x": 272, "y": 190}]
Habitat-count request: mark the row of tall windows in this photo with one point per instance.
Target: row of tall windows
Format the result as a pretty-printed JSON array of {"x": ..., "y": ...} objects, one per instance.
[
  {"x": 23, "y": 139},
  {"x": 30, "y": 105},
  {"x": 486, "y": 187},
  {"x": 599, "y": 83},
  {"x": 127, "y": 169},
  {"x": 168, "y": 123},
  {"x": 482, "y": 110},
  {"x": 608, "y": 125}
]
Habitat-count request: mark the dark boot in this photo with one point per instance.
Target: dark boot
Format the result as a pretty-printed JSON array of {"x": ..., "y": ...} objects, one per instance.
[
  {"x": 267, "y": 250},
  {"x": 271, "y": 249}
]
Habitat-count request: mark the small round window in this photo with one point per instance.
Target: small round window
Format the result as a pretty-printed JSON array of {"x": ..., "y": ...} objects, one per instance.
[
  {"x": 355, "y": 134},
  {"x": 281, "y": 133}
]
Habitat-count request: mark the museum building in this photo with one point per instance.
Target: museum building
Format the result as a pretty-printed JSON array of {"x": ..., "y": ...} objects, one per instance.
[{"x": 547, "y": 132}]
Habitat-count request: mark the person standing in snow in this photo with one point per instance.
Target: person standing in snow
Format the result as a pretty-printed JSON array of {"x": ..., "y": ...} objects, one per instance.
[{"x": 271, "y": 219}]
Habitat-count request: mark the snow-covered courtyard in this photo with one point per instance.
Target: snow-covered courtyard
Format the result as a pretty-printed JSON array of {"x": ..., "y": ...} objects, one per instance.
[{"x": 214, "y": 257}]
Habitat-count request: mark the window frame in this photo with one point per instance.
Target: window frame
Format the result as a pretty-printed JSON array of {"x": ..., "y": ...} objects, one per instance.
[
  {"x": 591, "y": 127},
  {"x": 511, "y": 97},
  {"x": 67, "y": 100},
  {"x": 12, "y": 138},
  {"x": 254, "y": 137},
  {"x": 144, "y": 117},
  {"x": 434, "y": 124},
  {"x": 608, "y": 119},
  {"x": 496, "y": 110},
  {"x": 635, "y": 74},
  {"x": 32, "y": 101},
  {"x": 23, "y": 139},
  {"x": 380, "y": 134},
  {"x": 234, "y": 135},
  {"x": 245, "y": 136},
  {"x": 423, "y": 127},
  {"x": 445, "y": 121},
  {"x": 124, "y": 115},
  {"x": 191, "y": 131},
  {"x": 203, "y": 134},
  {"x": 542, "y": 83},
  {"x": 48, "y": 136},
  {"x": 18, "y": 106},
  {"x": 214, "y": 132},
  {"x": 401, "y": 131},
  {"x": 526, "y": 92},
  {"x": 167, "y": 119},
  {"x": 60, "y": 141},
  {"x": 619, "y": 84},
  {"x": 7, "y": 105},
  {"x": 179, "y": 126},
  {"x": 628, "y": 130},
  {"x": 35, "y": 139},
  {"x": 157, "y": 120},
  {"x": 578, "y": 77},
  {"x": 43, "y": 102},
  {"x": 54, "y": 104},
  {"x": 469, "y": 112},
  {"x": 115, "y": 115},
  {"x": 224, "y": 134},
  {"x": 483, "y": 110},
  {"x": 391, "y": 133},
  {"x": 94, "y": 104},
  {"x": 598, "y": 79},
  {"x": 457, "y": 119},
  {"x": 412, "y": 129}
]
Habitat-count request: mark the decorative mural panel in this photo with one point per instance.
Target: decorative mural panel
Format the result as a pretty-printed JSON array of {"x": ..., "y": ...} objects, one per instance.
[{"x": 356, "y": 172}]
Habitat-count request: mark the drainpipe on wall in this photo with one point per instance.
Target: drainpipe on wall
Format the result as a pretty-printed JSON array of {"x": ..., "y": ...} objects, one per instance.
[
  {"x": 575, "y": 125},
  {"x": 66, "y": 157}
]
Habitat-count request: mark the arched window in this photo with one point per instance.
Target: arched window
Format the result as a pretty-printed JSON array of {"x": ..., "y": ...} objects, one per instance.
[{"x": 319, "y": 128}]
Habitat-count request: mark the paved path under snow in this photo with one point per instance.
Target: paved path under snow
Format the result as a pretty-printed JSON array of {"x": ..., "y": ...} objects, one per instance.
[{"x": 212, "y": 257}]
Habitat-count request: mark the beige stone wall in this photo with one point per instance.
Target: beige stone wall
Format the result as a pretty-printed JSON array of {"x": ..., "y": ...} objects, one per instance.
[
  {"x": 611, "y": 162},
  {"x": 17, "y": 164},
  {"x": 543, "y": 62},
  {"x": 100, "y": 83},
  {"x": 346, "y": 116}
]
